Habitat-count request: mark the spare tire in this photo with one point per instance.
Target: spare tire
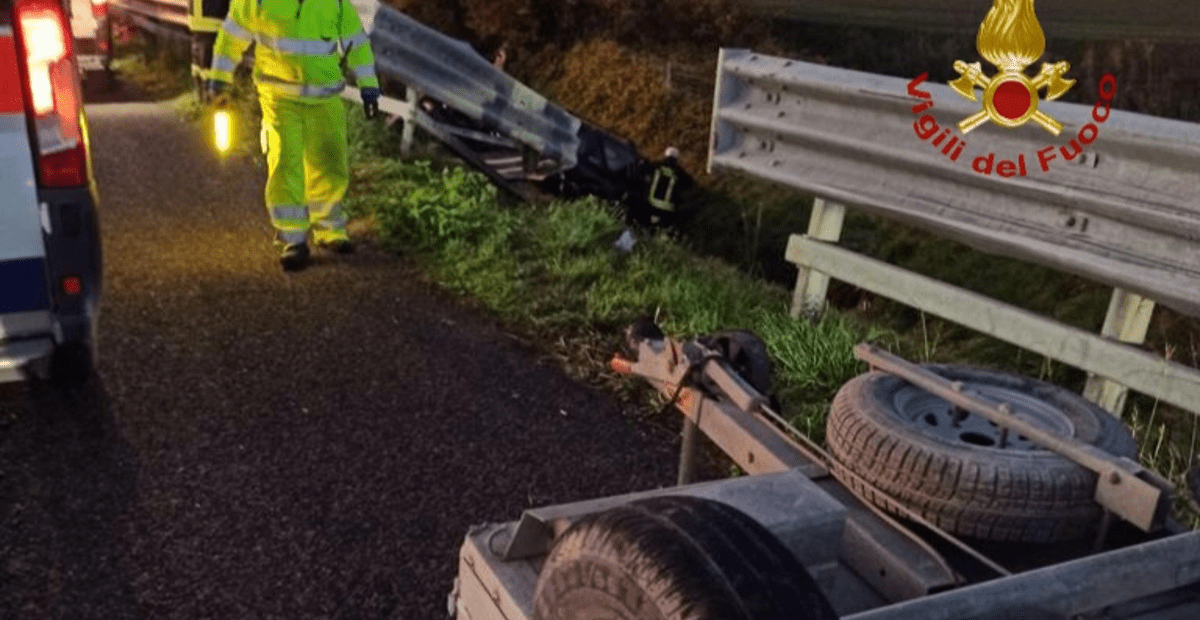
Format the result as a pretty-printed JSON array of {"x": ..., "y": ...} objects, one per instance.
[
  {"x": 907, "y": 447},
  {"x": 674, "y": 558}
]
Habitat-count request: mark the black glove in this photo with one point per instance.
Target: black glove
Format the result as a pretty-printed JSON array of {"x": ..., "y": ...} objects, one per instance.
[
  {"x": 370, "y": 99},
  {"x": 218, "y": 93}
]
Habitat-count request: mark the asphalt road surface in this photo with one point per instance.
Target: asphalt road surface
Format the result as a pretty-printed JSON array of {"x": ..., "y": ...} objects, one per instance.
[{"x": 261, "y": 445}]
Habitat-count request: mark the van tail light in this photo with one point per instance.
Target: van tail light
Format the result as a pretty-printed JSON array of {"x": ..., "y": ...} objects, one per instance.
[
  {"x": 72, "y": 285},
  {"x": 99, "y": 8},
  {"x": 53, "y": 99}
]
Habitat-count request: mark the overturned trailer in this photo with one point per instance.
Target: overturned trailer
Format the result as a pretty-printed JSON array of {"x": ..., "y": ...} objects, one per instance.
[
  {"x": 802, "y": 538},
  {"x": 941, "y": 492}
]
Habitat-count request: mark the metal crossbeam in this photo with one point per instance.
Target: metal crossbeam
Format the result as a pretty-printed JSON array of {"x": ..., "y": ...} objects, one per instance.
[{"x": 1141, "y": 371}]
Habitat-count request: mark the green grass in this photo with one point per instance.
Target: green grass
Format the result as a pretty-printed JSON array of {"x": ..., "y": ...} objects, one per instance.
[
  {"x": 552, "y": 271},
  {"x": 1167, "y": 441}
]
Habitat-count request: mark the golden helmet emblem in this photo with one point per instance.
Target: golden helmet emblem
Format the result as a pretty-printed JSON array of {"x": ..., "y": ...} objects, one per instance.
[{"x": 1011, "y": 39}]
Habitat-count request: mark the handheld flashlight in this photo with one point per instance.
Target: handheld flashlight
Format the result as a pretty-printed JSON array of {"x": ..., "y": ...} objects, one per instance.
[{"x": 221, "y": 130}]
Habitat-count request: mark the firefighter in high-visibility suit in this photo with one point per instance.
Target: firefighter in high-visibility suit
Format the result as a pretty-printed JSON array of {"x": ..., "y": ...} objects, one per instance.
[{"x": 299, "y": 50}]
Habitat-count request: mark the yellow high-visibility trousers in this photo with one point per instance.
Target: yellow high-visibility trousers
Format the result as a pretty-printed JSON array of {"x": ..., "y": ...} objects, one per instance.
[{"x": 307, "y": 170}]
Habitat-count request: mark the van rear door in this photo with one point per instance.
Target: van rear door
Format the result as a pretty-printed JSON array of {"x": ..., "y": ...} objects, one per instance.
[{"x": 25, "y": 318}]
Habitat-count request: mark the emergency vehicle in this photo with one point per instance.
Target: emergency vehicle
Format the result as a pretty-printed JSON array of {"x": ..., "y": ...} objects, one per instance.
[{"x": 50, "y": 268}]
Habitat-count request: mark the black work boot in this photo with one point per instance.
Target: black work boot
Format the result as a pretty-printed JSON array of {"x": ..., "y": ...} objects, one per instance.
[
  {"x": 339, "y": 246},
  {"x": 294, "y": 257}
]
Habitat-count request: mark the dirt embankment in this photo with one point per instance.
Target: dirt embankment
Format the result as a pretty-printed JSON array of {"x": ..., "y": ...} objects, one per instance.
[{"x": 641, "y": 68}]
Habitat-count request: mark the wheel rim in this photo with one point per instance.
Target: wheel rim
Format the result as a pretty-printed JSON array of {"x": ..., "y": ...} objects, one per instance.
[{"x": 935, "y": 416}]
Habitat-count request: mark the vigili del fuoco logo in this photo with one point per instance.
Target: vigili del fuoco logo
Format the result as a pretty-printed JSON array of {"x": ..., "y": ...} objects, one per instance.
[{"x": 1011, "y": 39}]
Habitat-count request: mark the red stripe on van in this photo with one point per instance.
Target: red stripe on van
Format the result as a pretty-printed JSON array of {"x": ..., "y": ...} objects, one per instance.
[{"x": 10, "y": 95}]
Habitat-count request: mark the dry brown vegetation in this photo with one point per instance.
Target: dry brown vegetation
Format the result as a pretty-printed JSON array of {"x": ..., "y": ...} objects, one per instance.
[{"x": 607, "y": 60}]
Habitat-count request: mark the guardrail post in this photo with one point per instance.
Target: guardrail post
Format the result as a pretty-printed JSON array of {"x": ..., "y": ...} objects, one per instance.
[
  {"x": 1128, "y": 320},
  {"x": 825, "y": 224},
  {"x": 413, "y": 96}
]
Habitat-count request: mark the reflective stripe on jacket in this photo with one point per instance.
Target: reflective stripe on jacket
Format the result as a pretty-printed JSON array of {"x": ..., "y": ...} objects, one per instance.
[
  {"x": 662, "y": 188},
  {"x": 299, "y": 46}
]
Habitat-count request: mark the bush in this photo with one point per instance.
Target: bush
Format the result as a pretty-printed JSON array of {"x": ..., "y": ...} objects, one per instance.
[{"x": 425, "y": 206}]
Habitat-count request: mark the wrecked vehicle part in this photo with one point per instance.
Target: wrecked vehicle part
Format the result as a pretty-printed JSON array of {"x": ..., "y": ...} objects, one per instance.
[{"x": 502, "y": 127}]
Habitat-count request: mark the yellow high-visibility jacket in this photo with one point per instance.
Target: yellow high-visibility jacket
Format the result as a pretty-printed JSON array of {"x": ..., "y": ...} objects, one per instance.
[{"x": 299, "y": 46}]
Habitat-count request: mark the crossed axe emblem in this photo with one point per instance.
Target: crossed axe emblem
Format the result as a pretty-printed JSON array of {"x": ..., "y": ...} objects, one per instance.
[{"x": 1010, "y": 98}]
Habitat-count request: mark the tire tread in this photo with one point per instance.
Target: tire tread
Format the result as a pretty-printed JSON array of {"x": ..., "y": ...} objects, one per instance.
[
  {"x": 989, "y": 494},
  {"x": 695, "y": 559}
]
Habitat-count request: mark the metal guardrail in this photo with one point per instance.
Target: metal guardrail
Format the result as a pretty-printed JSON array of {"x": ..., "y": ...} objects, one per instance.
[
  {"x": 167, "y": 11},
  {"x": 1125, "y": 213},
  {"x": 452, "y": 72},
  {"x": 1073, "y": 19}
]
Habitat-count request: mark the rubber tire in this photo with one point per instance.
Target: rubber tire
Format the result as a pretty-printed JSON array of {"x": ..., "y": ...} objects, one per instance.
[
  {"x": 968, "y": 490},
  {"x": 72, "y": 364},
  {"x": 674, "y": 558}
]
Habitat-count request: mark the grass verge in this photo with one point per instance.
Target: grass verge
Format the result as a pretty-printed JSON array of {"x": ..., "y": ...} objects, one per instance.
[{"x": 552, "y": 271}]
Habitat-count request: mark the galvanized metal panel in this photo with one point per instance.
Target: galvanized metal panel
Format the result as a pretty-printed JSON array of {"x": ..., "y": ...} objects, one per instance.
[
  {"x": 1169, "y": 20},
  {"x": 1181, "y": 604},
  {"x": 1127, "y": 213},
  {"x": 452, "y": 72},
  {"x": 169, "y": 11},
  {"x": 489, "y": 588},
  {"x": 1064, "y": 590},
  {"x": 889, "y": 562}
]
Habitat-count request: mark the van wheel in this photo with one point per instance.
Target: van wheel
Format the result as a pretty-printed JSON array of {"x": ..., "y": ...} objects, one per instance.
[
  {"x": 71, "y": 364},
  {"x": 910, "y": 448},
  {"x": 678, "y": 558}
]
